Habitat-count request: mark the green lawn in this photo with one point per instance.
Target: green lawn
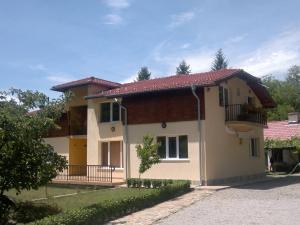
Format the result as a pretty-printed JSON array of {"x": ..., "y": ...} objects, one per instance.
[{"x": 75, "y": 197}]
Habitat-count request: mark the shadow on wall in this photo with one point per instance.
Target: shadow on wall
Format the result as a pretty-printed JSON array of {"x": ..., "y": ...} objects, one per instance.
[{"x": 271, "y": 183}]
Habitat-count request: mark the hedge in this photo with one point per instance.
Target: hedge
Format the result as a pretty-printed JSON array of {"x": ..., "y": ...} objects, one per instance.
[
  {"x": 102, "y": 212},
  {"x": 147, "y": 183}
]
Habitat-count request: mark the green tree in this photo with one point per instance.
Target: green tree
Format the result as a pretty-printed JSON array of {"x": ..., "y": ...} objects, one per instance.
[
  {"x": 293, "y": 75},
  {"x": 147, "y": 153},
  {"x": 144, "y": 74},
  {"x": 220, "y": 61},
  {"x": 26, "y": 161},
  {"x": 183, "y": 68},
  {"x": 286, "y": 94}
]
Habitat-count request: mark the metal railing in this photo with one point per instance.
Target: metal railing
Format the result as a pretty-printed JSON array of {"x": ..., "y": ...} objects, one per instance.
[
  {"x": 239, "y": 112},
  {"x": 87, "y": 173}
]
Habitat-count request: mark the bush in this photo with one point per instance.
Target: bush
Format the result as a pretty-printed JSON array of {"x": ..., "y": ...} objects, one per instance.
[
  {"x": 99, "y": 213},
  {"x": 156, "y": 183},
  {"x": 147, "y": 183},
  {"x": 129, "y": 182}
]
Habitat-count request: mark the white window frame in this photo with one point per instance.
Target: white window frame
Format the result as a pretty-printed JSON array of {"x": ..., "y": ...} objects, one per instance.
[
  {"x": 110, "y": 112},
  {"x": 177, "y": 147}
]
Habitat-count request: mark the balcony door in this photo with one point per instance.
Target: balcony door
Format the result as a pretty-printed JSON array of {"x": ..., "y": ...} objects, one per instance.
[{"x": 111, "y": 154}]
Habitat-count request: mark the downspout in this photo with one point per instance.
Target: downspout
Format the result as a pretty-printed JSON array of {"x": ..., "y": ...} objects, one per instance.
[
  {"x": 193, "y": 87},
  {"x": 125, "y": 139}
]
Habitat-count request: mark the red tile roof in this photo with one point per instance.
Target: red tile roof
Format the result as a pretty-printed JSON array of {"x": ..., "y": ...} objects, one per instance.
[
  {"x": 170, "y": 82},
  {"x": 185, "y": 81},
  {"x": 281, "y": 130},
  {"x": 83, "y": 82}
]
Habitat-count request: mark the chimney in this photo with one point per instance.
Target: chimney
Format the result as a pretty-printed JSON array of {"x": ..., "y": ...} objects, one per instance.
[{"x": 293, "y": 117}]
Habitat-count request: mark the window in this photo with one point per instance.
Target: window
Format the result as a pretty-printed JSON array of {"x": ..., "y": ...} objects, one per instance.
[
  {"x": 223, "y": 96},
  {"x": 162, "y": 147},
  {"x": 110, "y": 111},
  {"x": 254, "y": 147},
  {"x": 173, "y": 147}
]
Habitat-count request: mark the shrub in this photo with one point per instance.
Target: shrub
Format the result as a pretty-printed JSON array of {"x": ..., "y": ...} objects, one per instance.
[
  {"x": 156, "y": 183},
  {"x": 129, "y": 182},
  {"x": 147, "y": 183},
  {"x": 99, "y": 213}
]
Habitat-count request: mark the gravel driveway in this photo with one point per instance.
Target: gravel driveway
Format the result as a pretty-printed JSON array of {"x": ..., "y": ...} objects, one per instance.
[{"x": 272, "y": 202}]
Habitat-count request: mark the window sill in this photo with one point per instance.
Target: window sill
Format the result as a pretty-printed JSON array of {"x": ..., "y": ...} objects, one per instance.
[
  {"x": 175, "y": 160},
  {"x": 111, "y": 122}
]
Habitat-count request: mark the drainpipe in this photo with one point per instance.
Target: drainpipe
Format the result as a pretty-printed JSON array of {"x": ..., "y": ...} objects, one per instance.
[
  {"x": 125, "y": 139},
  {"x": 193, "y": 87}
]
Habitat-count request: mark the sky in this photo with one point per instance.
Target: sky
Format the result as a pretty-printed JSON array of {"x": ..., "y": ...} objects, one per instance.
[{"x": 44, "y": 43}]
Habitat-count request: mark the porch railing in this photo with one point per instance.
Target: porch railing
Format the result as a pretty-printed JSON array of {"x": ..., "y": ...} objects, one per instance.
[
  {"x": 239, "y": 112},
  {"x": 87, "y": 173}
]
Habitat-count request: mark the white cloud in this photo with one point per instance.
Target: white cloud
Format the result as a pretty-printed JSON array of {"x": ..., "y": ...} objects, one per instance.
[
  {"x": 60, "y": 78},
  {"x": 181, "y": 18},
  {"x": 117, "y": 4},
  {"x": 273, "y": 56},
  {"x": 236, "y": 39},
  {"x": 185, "y": 45},
  {"x": 39, "y": 67},
  {"x": 113, "y": 19}
]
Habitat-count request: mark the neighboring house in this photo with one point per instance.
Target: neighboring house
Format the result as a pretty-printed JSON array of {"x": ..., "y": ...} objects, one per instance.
[
  {"x": 209, "y": 125},
  {"x": 284, "y": 157}
]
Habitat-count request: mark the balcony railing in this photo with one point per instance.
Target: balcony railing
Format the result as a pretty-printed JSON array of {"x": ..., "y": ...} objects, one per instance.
[
  {"x": 239, "y": 112},
  {"x": 87, "y": 173}
]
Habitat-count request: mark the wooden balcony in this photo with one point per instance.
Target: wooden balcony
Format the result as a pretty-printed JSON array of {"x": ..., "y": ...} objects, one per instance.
[{"x": 242, "y": 117}]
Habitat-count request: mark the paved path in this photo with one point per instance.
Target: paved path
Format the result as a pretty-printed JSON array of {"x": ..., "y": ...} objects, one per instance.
[
  {"x": 162, "y": 210},
  {"x": 272, "y": 202}
]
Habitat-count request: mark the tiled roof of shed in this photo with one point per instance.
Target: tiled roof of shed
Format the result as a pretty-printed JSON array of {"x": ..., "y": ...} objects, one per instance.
[{"x": 281, "y": 130}]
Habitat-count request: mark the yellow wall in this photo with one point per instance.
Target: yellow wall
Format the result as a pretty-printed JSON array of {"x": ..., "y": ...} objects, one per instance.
[
  {"x": 98, "y": 132},
  {"x": 225, "y": 156},
  {"x": 167, "y": 169},
  {"x": 60, "y": 145}
]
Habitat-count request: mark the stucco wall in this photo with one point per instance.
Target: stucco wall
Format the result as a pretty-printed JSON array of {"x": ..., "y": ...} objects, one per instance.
[
  {"x": 98, "y": 132},
  {"x": 226, "y": 155},
  {"x": 167, "y": 169},
  {"x": 60, "y": 145}
]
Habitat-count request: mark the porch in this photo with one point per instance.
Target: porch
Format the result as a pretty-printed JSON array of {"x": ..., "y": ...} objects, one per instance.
[{"x": 90, "y": 174}]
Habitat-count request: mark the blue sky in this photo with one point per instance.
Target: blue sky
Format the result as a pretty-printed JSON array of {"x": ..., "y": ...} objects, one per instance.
[{"x": 43, "y": 43}]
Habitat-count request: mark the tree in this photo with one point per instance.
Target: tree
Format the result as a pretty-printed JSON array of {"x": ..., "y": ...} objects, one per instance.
[
  {"x": 286, "y": 94},
  {"x": 144, "y": 74},
  {"x": 183, "y": 68},
  {"x": 293, "y": 75},
  {"x": 220, "y": 62},
  {"x": 26, "y": 161},
  {"x": 147, "y": 153}
]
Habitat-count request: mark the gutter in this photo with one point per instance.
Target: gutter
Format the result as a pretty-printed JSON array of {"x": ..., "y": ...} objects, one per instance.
[
  {"x": 127, "y": 170},
  {"x": 193, "y": 88}
]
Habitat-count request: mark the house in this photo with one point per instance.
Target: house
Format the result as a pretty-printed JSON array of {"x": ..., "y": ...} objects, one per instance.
[
  {"x": 284, "y": 157},
  {"x": 209, "y": 126}
]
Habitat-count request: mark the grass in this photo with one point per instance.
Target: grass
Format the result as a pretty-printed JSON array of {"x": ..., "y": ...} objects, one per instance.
[{"x": 75, "y": 197}]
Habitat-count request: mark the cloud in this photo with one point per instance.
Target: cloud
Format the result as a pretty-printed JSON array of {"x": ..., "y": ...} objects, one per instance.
[
  {"x": 185, "y": 46},
  {"x": 117, "y": 4},
  {"x": 181, "y": 18},
  {"x": 60, "y": 78},
  {"x": 274, "y": 56},
  {"x": 39, "y": 67},
  {"x": 236, "y": 39},
  {"x": 113, "y": 19}
]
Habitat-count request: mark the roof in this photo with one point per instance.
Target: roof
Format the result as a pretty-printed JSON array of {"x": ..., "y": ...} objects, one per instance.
[
  {"x": 83, "y": 82},
  {"x": 281, "y": 130},
  {"x": 185, "y": 81}
]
